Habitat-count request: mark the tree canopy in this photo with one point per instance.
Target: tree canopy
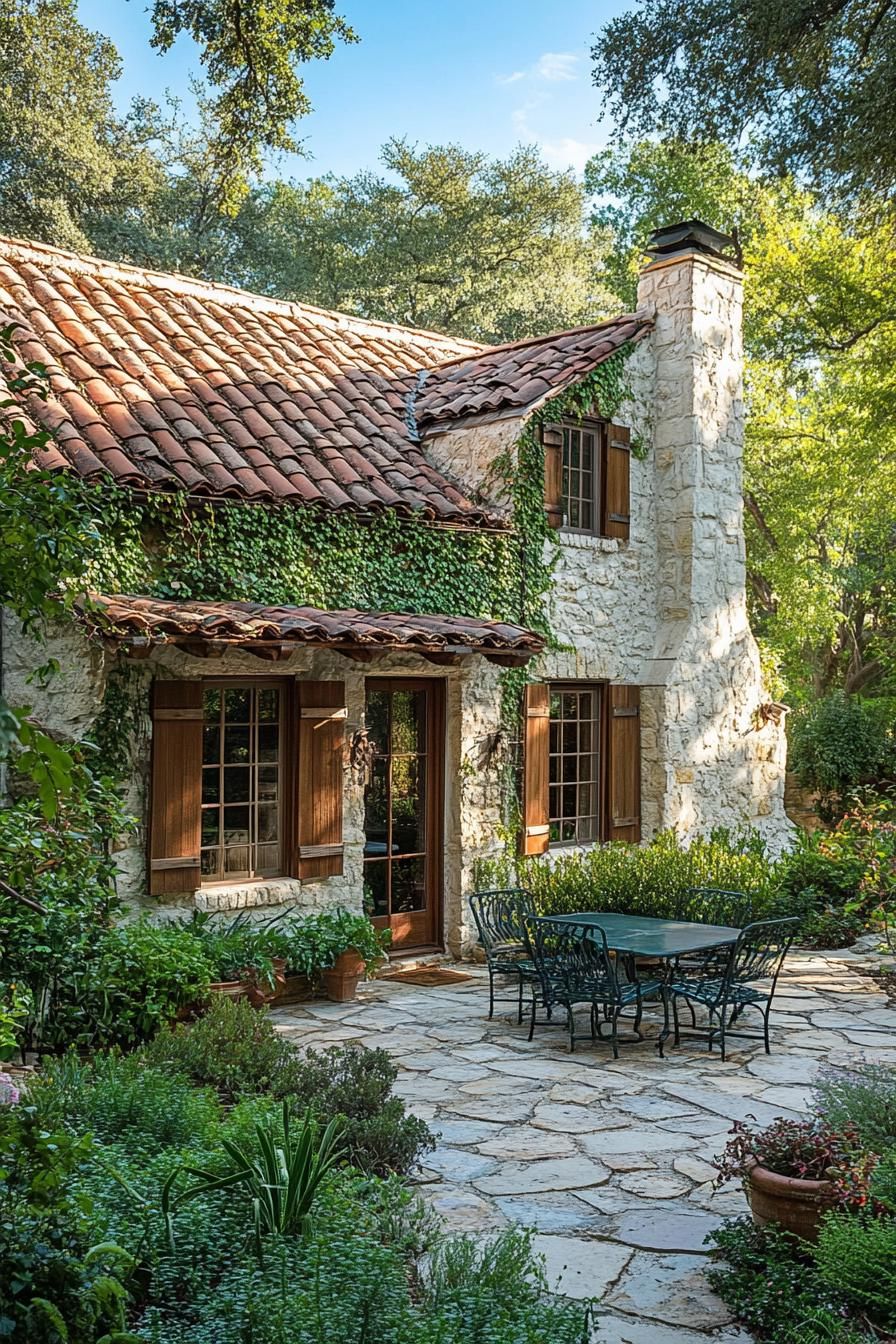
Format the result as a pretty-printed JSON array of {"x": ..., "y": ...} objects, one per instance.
[
  {"x": 820, "y": 338},
  {"x": 808, "y": 88}
]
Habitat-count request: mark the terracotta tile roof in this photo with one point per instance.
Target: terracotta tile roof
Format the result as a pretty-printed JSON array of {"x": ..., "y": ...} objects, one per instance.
[
  {"x": 169, "y": 383},
  {"x": 150, "y": 620},
  {"x": 522, "y": 375},
  {"x": 164, "y": 382}
]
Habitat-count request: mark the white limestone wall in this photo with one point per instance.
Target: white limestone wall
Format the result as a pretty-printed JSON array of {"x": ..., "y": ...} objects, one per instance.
[{"x": 715, "y": 764}]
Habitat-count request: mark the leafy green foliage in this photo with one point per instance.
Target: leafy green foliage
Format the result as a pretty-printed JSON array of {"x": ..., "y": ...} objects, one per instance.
[
  {"x": 236, "y": 1051},
  {"x": 121, "y": 1099},
  {"x": 313, "y": 944},
  {"x": 856, "y": 1258},
  {"x": 250, "y": 51},
  {"x": 450, "y": 240},
  {"x": 812, "y": 86},
  {"x": 864, "y": 1096},
  {"x": 53, "y": 1285},
  {"x": 652, "y": 879},
  {"x": 281, "y": 1172},
  {"x": 841, "y": 743},
  {"x": 231, "y": 1048},
  {"x": 357, "y": 1083}
]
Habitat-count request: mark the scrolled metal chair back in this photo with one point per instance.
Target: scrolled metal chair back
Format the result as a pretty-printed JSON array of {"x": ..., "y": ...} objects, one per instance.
[
  {"x": 498, "y": 916},
  {"x": 717, "y": 905},
  {"x": 760, "y": 950},
  {"x": 571, "y": 959}
]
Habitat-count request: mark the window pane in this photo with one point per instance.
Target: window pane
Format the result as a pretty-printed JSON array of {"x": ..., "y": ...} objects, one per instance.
[
  {"x": 236, "y": 705},
  {"x": 268, "y": 742},
  {"x": 267, "y": 824},
  {"x": 236, "y": 745},
  {"x": 407, "y": 721},
  {"x": 236, "y": 860},
  {"x": 408, "y": 886},
  {"x": 238, "y": 784},
  {"x": 211, "y": 784},
  {"x": 210, "y": 861},
  {"x": 407, "y": 807},
  {"x": 376, "y": 899},
  {"x": 211, "y": 705},
  {"x": 211, "y": 744},
  {"x": 269, "y": 704},
  {"x": 377, "y": 719},
  {"x": 211, "y": 820},
  {"x": 268, "y": 782},
  {"x": 236, "y": 825}
]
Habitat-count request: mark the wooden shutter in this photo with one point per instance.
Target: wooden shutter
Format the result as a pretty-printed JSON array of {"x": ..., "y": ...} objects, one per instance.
[
  {"x": 615, "y": 492},
  {"x": 552, "y": 441},
  {"x": 536, "y": 744},
  {"x": 624, "y": 764},
  {"x": 176, "y": 797},
  {"x": 321, "y": 725}
]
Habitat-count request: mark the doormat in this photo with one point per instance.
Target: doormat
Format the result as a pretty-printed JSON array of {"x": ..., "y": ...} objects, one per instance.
[{"x": 427, "y": 975}]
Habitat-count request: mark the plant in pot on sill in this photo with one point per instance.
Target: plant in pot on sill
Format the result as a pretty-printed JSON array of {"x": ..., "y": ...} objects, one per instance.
[
  {"x": 796, "y": 1171},
  {"x": 244, "y": 957}
]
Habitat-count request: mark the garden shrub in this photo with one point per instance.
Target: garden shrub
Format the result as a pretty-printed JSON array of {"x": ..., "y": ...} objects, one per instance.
[
  {"x": 236, "y": 1051},
  {"x": 863, "y": 1097},
  {"x": 651, "y": 879},
  {"x": 232, "y": 1048},
  {"x": 856, "y": 1258},
  {"x": 122, "y": 1099},
  {"x": 841, "y": 743},
  {"x": 356, "y": 1082},
  {"x": 772, "y": 1287},
  {"x": 55, "y": 1283}
]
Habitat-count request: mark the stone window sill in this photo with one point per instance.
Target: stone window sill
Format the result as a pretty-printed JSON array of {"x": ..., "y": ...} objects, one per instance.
[
  {"x": 583, "y": 541},
  {"x": 246, "y": 895}
]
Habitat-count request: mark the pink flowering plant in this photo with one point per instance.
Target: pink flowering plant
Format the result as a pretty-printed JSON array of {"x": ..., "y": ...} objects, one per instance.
[{"x": 809, "y": 1150}]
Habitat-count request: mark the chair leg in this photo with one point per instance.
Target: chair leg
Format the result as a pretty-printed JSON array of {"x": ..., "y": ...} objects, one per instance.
[
  {"x": 491, "y": 993},
  {"x": 722, "y": 1030},
  {"x": 661, "y": 1043},
  {"x": 571, "y": 1023},
  {"x": 519, "y": 1015},
  {"x": 614, "y": 1039},
  {"x": 639, "y": 1011},
  {"x": 532, "y": 1015},
  {"x": 765, "y": 1017},
  {"x": 675, "y": 1022}
]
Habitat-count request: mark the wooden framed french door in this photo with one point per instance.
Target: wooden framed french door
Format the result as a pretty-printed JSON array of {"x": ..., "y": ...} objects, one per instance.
[{"x": 403, "y": 809}]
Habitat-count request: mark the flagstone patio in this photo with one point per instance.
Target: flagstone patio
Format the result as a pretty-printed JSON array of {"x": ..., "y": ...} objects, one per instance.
[{"x": 608, "y": 1162}]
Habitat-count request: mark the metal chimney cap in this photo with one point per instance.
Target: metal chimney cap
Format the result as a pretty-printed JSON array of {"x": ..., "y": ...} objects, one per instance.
[{"x": 691, "y": 235}]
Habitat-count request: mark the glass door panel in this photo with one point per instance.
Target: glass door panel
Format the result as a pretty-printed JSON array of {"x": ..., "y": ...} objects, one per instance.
[{"x": 402, "y": 849}]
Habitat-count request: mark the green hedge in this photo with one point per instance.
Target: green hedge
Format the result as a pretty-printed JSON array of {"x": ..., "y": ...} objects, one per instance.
[{"x": 640, "y": 879}]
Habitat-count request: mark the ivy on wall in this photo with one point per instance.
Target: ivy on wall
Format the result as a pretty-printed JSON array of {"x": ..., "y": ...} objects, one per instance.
[{"x": 164, "y": 545}]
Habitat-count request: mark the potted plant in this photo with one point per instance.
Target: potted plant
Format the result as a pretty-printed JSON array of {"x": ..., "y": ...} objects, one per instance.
[
  {"x": 793, "y": 1171},
  {"x": 349, "y": 948}
]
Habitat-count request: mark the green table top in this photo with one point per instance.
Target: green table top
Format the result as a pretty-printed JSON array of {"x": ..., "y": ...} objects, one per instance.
[{"x": 659, "y": 938}]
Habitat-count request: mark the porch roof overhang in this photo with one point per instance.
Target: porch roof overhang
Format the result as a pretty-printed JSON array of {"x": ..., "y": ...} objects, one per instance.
[{"x": 208, "y": 629}]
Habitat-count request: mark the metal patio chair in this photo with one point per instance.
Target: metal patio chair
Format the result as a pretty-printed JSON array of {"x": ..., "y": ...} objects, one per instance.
[
  {"x": 711, "y": 905},
  {"x": 498, "y": 916},
  {"x": 757, "y": 956},
  {"x": 574, "y": 966}
]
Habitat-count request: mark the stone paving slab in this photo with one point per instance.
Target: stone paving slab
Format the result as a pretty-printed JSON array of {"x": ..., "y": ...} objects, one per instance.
[{"x": 609, "y": 1163}]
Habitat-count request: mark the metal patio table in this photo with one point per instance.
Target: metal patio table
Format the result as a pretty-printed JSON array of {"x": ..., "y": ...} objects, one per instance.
[{"x": 662, "y": 940}]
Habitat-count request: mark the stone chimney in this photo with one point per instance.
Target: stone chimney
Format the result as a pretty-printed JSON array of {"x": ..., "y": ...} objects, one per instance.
[{"x": 705, "y": 665}]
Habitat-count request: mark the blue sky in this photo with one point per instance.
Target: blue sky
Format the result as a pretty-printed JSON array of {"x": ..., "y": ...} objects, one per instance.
[{"x": 486, "y": 74}]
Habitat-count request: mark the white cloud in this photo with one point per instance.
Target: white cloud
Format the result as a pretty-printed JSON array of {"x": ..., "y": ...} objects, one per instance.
[
  {"x": 556, "y": 66},
  {"x": 568, "y": 152},
  {"x": 552, "y": 67}
]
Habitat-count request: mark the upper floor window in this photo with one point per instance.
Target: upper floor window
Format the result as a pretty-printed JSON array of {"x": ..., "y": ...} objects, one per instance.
[{"x": 587, "y": 477}]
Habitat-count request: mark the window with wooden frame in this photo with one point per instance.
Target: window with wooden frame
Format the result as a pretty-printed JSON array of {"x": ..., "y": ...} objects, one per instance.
[
  {"x": 247, "y": 781},
  {"x": 581, "y": 779},
  {"x": 574, "y": 764},
  {"x": 244, "y": 780},
  {"x": 587, "y": 477}
]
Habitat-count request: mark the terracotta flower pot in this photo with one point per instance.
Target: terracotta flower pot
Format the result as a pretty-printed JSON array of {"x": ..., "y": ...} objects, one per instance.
[
  {"x": 341, "y": 980},
  {"x": 228, "y": 989},
  {"x": 795, "y": 1204},
  {"x": 296, "y": 989}
]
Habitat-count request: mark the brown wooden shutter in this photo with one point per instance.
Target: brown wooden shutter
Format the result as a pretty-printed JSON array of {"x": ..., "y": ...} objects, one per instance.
[
  {"x": 552, "y": 440},
  {"x": 536, "y": 744},
  {"x": 176, "y": 797},
  {"x": 321, "y": 726},
  {"x": 615, "y": 493},
  {"x": 624, "y": 765}
]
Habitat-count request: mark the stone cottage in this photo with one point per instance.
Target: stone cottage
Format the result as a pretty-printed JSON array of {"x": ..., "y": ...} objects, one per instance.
[{"x": 333, "y": 752}]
